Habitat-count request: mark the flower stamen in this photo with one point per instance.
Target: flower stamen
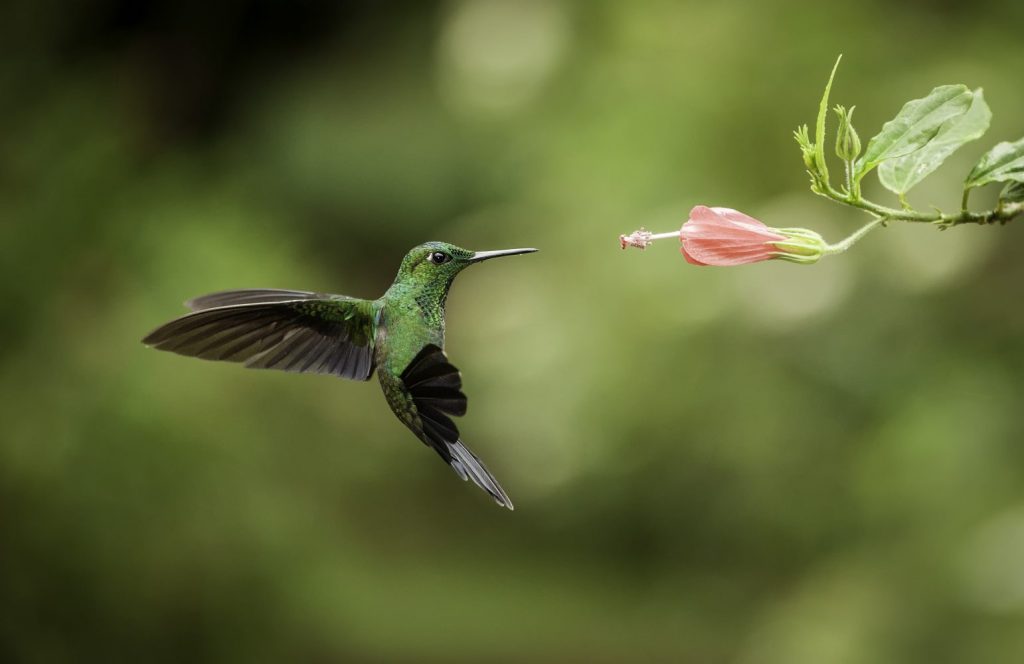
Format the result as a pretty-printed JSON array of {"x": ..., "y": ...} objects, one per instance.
[{"x": 639, "y": 239}]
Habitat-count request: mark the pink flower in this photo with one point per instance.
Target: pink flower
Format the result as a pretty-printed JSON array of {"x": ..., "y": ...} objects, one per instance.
[{"x": 723, "y": 236}]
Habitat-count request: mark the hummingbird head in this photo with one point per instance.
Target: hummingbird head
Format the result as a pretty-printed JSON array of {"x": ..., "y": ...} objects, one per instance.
[{"x": 440, "y": 262}]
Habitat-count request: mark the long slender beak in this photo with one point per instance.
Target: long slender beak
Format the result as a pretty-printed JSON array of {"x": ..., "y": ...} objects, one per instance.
[{"x": 484, "y": 255}]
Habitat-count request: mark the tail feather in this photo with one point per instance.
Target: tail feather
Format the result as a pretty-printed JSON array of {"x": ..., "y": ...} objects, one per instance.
[{"x": 468, "y": 466}]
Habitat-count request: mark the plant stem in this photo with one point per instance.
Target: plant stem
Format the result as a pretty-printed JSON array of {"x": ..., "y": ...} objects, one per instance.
[
  {"x": 1000, "y": 214},
  {"x": 843, "y": 245}
]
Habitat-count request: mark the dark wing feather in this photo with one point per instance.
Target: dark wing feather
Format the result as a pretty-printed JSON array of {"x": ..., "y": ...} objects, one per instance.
[
  {"x": 255, "y": 296},
  {"x": 328, "y": 335},
  {"x": 435, "y": 387}
]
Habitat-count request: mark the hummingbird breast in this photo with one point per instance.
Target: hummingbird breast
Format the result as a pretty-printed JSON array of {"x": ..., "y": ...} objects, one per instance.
[
  {"x": 406, "y": 325},
  {"x": 403, "y": 330}
]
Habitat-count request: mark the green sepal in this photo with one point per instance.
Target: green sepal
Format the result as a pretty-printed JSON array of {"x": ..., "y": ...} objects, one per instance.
[
  {"x": 819, "y": 127},
  {"x": 800, "y": 246}
]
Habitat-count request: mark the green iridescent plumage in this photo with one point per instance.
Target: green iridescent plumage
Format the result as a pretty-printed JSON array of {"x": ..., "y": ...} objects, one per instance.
[{"x": 400, "y": 334}]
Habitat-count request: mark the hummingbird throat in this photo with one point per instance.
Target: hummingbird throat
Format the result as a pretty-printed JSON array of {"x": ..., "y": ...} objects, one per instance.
[{"x": 431, "y": 301}]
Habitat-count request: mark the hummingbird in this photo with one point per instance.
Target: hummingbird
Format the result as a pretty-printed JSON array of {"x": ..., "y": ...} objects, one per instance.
[{"x": 400, "y": 335}]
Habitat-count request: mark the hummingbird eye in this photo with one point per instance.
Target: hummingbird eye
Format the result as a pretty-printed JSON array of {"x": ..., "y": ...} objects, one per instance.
[{"x": 439, "y": 257}]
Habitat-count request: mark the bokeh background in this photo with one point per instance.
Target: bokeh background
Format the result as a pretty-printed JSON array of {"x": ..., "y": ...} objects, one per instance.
[{"x": 770, "y": 464}]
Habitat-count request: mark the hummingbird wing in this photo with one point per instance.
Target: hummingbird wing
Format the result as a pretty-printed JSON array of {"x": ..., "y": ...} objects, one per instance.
[
  {"x": 286, "y": 330},
  {"x": 256, "y": 296},
  {"x": 435, "y": 388}
]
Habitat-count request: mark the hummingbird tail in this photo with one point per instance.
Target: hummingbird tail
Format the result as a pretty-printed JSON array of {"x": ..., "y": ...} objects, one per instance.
[
  {"x": 468, "y": 466},
  {"x": 435, "y": 388}
]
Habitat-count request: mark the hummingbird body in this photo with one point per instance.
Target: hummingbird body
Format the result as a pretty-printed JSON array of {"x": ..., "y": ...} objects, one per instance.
[{"x": 400, "y": 334}]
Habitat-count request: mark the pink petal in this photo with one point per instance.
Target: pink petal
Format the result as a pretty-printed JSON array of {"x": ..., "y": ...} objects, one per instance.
[
  {"x": 690, "y": 259},
  {"x": 737, "y": 216},
  {"x": 723, "y": 236},
  {"x": 708, "y": 253},
  {"x": 709, "y": 222}
]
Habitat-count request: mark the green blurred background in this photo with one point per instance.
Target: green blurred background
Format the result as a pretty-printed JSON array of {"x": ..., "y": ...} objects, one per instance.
[{"x": 766, "y": 464}]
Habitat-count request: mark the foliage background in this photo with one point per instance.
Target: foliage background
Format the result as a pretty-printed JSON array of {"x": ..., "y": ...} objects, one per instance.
[{"x": 769, "y": 464}]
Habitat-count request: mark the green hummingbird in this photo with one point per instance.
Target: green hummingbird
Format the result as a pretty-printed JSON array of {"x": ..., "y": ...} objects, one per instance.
[{"x": 401, "y": 334}]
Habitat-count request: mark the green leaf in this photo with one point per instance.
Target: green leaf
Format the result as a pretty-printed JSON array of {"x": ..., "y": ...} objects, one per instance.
[
  {"x": 900, "y": 174},
  {"x": 1003, "y": 163},
  {"x": 1012, "y": 193},
  {"x": 915, "y": 125}
]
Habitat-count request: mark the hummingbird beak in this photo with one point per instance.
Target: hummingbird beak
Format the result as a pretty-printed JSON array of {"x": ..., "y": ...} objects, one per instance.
[{"x": 484, "y": 255}]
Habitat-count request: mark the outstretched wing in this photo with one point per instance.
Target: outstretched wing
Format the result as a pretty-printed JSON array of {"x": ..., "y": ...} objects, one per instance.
[
  {"x": 256, "y": 296},
  {"x": 286, "y": 330},
  {"x": 435, "y": 387}
]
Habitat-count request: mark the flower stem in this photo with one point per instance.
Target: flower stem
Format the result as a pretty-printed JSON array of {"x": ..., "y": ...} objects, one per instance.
[{"x": 843, "y": 245}]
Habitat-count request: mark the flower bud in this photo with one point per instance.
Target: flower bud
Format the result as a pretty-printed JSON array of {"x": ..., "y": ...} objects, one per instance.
[
  {"x": 723, "y": 236},
  {"x": 847, "y": 140}
]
